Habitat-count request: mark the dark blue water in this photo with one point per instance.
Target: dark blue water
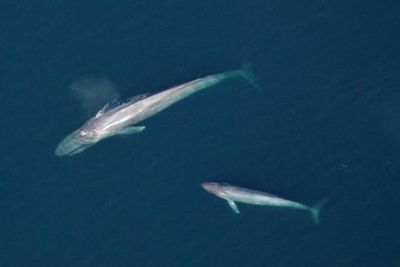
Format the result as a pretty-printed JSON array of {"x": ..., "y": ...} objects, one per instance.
[{"x": 326, "y": 123}]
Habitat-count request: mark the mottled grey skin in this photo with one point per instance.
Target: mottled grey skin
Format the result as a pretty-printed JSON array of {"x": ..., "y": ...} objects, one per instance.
[
  {"x": 234, "y": 194},
  {"x": 120, "y": 119}
]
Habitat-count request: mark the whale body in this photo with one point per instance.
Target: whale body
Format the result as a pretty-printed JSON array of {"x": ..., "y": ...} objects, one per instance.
[
  {"x": 234, "y": 194},
  {"x": 123, "y": 119}
]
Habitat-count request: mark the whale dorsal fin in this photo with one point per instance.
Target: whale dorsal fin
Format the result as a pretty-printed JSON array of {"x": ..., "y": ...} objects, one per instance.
[
  {"x": 101, "y": 111},
  {"x": 233, "y": 206}
]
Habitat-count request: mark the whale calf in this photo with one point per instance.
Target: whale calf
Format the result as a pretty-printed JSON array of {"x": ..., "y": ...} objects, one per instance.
[
  {"x": 123, "y": 119},
  {"x": 234, "y": 194}
]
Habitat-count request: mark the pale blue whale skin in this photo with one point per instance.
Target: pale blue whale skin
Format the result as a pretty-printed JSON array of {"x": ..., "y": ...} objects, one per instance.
[
  {"x": 234, "y": 194},
  {"x": 122, "y": 119}
]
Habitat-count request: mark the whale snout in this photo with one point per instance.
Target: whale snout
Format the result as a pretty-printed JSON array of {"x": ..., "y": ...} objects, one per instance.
[
  {"x": 210, "y": 187},
  {"x": 205, "y": 185},
  {"x": 71, "y": 145}
]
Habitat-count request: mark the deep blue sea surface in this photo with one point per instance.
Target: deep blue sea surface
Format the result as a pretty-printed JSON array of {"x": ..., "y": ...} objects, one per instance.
[{"x": 325, "y": 123}]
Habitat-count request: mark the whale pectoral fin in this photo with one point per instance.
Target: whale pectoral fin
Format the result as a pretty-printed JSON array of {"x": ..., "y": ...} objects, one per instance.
[
  {"x": 129, "y": 130},
  {"x": 133, "y": 129},
  {"x": 233, "y": 206},
  {"x": 101, "y": 112}
]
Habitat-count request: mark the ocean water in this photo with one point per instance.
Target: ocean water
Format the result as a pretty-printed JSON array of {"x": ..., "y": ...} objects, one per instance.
[{"x": 325, "y": 123}]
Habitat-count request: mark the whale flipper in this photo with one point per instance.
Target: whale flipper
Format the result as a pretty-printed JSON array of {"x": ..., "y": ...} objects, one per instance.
[
  {"x": 233, "y": 206},
  {"x": 132, "y": 130},
  {"x": 128, "y": 130},
  {"x": 101, "y": 111}
]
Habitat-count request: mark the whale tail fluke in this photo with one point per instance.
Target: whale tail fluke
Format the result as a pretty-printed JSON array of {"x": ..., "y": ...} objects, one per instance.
[
  {"x": 246, "y": 71},
  {"x": 316, "y": 209}
]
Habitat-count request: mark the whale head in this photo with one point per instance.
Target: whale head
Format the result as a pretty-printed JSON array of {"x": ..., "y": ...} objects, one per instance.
[
  {"x": 218, "y": 189},
  {"x": 79, "y": 140},
  {"x": 210, "y": 187},
  {"x": 75, "y": 143}
]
